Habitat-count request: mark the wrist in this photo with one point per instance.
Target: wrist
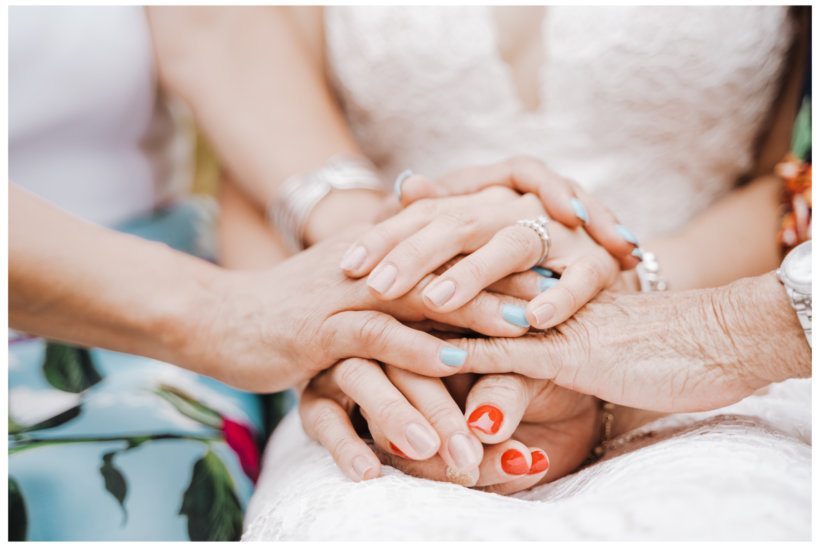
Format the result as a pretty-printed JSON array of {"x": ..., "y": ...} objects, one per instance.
[
  {"x": 626, "y": 418},
  {"x": 340, "y": 209},
  {"x": 764, "y": 328},
  {"x": 178, "y": 325}
]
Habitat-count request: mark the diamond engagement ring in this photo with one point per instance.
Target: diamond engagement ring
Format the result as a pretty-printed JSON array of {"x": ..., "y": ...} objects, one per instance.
[{"x": 539, "y": 226}]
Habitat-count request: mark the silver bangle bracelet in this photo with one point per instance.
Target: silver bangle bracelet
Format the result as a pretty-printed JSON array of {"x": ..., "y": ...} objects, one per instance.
[
  {"x": 649, "y": 274},
  {"x": 289, "y": 210}
]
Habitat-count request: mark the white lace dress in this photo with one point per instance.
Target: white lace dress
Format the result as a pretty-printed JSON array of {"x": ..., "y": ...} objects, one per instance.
[{"x": 655, "y": 111}]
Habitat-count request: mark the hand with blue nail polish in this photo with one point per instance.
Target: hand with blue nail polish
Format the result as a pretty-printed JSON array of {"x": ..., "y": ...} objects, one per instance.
[
  {"x": 278, "y": 327},
  {"x": 563, "y": 200},
  {"x": 479, "y": 239}
]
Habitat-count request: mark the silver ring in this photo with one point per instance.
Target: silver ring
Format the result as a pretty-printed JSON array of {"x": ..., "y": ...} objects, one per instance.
[{"x": 539, "y": 226}]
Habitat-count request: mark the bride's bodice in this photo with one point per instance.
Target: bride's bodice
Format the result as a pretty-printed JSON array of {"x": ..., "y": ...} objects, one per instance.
[{"x": 656, "y": 110}]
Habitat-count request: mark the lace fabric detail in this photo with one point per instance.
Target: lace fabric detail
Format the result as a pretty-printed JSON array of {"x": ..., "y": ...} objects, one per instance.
[
  {"x": 739, "y": 473},
  {"x": 653, "y": 109}
]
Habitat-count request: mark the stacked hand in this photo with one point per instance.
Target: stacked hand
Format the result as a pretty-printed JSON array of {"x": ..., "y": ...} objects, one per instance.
[{"x": 499, "y": 432}]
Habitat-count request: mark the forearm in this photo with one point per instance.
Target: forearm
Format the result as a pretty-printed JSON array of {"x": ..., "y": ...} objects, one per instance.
[
  {"x": 254, "y": 78},
  {"x": 734, "y": 238},
  {"x": 245, "y": 238},
  {"x": 764, "y": 328},
  {"x": 80, "y": 283}
]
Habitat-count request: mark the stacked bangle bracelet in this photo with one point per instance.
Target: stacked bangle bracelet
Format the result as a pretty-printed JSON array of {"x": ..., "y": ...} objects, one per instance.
[{"x": 297, "y": 196}]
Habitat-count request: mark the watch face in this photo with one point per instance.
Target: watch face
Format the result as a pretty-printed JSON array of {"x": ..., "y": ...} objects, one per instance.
[{"x": 796, "y": 268}]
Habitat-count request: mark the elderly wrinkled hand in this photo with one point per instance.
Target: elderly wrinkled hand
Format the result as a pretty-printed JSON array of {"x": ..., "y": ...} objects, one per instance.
[{"x": 675, "y": 351}]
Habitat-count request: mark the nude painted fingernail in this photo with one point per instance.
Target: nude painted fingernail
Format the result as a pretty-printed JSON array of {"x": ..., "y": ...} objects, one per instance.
[
  {"x": 547, "y": 283},
  {"x": 361, "y": 466},
  {"x": 540, "y": 462},
  {"x": 353, "y": 258},
  {"x": 486, "y": 419},
  {"x": 513, "y": 462},
  {"x": 580, "y": 210},
  {"x": 463, "y": 452},
  {"x": 441, "y": 292},
  {"x": 543, "y": 313},
  {"x": 382, "y": 278},
  {"x": 420, "y": 439},
  {"x": 515, "y": 315}
]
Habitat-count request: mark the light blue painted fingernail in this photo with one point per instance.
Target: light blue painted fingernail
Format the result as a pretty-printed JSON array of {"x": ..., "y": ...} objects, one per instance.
[
  {"x": 515, "y": 315},
  {"x": 548, "y": 282},
  {"x": 544, "y": 271},
  {"x": 399, "y": 180},
  {"x": 638, "y": 252},
  {"x": 453, "y": 357},
  {"x": 627, "y": 234},
  {"x": 580, "y": 210}
]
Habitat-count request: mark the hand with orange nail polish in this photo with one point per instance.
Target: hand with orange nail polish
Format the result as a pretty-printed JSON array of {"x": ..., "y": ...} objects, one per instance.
[{"x": 409, "y": 417}]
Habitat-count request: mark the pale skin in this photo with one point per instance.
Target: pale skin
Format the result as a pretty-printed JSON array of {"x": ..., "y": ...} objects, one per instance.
[
  {"x": 263, "y": 330},
  {"x": 706, "y": 253}
]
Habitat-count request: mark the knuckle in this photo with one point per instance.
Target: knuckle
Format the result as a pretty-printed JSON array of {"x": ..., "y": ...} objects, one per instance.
[
  {"x": 531, "y": 204},
  {"x": 425, "y": 208},
  {"x": 471, "y": 268},
  {"x": 589, "y": 272},
  {"x": 444, "y": 417},
  {"x": 501, "y": 387},
  {"x": 390, "y": 411},
  {"x": 462, "y": 222},
  {"x": 373, "y": 329},
  {"x": 520, "y": 241},
  {"x": 323, "y": 420},
  {"x": 341, "y": 446},
  {"x": 376, "y": 237},
  {"x": 351, "y": 373},
  {"x": 410, "y": 250}
]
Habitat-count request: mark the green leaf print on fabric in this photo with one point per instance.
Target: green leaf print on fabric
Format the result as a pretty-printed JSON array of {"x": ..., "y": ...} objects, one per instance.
[
  {"x": 69, "y": 368},
  {"x": 54, "y": 421},
  {"x": 115, "y": 481},
  {"x": 190, "y": 407},
  {"x": 18, "y": 521},
  {"x": 210, "y": 502}
]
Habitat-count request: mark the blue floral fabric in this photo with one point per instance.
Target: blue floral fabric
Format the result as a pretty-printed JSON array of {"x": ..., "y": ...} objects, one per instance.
[{"x": 109, "y": 446}]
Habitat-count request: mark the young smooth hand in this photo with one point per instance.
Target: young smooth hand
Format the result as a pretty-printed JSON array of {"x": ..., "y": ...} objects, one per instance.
[
  {"x": 400, "y": 251},
  {"x": 563, "y": 199},
  {"x": 270, "y": 330},
  {"x": 527, "y": 427}
]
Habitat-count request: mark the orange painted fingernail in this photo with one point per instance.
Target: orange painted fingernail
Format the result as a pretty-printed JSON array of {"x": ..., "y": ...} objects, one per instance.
[
  {"x": 486, "y": 419},
  {"x": 513, "y": 462},
  {"x": 540, "y": 462},
  {"x": 398, "y": 451}
]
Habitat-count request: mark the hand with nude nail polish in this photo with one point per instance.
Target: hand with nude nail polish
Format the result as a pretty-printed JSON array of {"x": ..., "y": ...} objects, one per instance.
[
  {"x": 563, "y": 199},
  {"x": 533, "y": 432},
  {"x": 403, "y": 249},
  {"x": 409, "y": 416},
  {"x": 272, "y": 329}
]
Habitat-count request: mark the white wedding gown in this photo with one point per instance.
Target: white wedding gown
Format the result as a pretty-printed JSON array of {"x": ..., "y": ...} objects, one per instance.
[{"x": 655, "y": 111}]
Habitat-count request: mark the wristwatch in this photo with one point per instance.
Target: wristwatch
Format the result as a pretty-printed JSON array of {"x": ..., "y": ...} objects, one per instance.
[{"x": 795, "y": 274}]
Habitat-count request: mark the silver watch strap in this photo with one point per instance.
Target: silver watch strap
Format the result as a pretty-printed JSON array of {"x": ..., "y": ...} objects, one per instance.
[
  {"x": 802, "y": 305},
  {"x": 298, "y": 195}
]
